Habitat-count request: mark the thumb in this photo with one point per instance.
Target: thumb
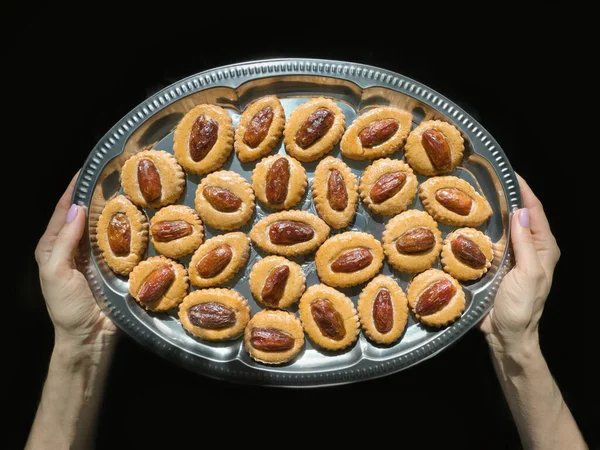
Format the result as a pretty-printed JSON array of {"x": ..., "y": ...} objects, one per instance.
[
  {"x": 526, "y": 256},
  {"x": 65, "y": 246}
]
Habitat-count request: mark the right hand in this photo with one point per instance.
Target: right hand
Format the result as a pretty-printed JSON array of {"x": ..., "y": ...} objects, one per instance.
[{"x": 512, "y": 324}]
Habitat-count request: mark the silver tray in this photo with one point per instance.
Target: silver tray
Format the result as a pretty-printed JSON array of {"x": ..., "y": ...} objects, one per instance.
[{"x": 355, "y": 87}]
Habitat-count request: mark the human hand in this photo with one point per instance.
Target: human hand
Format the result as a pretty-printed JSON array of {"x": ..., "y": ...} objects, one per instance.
[
  {"x": 76, "y": 317},
  {"x": 511, "y": 327}
]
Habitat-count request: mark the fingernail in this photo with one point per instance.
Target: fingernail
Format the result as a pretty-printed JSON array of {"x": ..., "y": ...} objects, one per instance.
[
  {"x": 524, "y": 218},
  {"x": 72, "y": 213}
]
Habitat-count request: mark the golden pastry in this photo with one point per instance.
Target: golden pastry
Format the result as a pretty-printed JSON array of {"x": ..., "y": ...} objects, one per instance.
[
  {"x": 412, "y": 241},
  {"x": 279, "y": 181},
  {"x": 203, "y": 139},
  {"x": 176, "y": 231},
  {"x": 434, "y": 148},
  {"x": 152, "y": 179},
  {"x": 122, "y": 234},
  {"x": 273, "y": 337},
  {"x": 334, "y": 190},
  {"x": 219, "y": 259},
  {"x": 436, "y": 298},
  {"x": 453, "y": 201},
  {"x": 159, "y": 283},
  {"x": 225, "y": 200},
  {"x": 328, "y": 317},
  {"x": 214, "y": 314},
  {"x": 313, "y": 129},
  {"x": 349, "y": 258},
  {"x": 376, "y": 133},
  {"x": 290, "y": 233},
  {"x": 467, "y": 254},
  {"x": 277, "y": 282},
  {"x": 388, "y": 186},
  {"x": 383, "y": 310},
  {"x": 260, "y": 129}
]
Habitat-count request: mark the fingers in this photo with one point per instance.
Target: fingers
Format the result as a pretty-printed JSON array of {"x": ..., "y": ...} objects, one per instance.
[
  {"x": 56, "y": 223},
  {"x": 65, "y": 245},
  {"x": 526, "y": 255}
]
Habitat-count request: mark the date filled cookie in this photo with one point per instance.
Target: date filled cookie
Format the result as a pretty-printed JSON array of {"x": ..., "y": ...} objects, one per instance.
[
  {"x": 412, "y": 241},
  {"x": 349, "y": 258},
  {"x": 313, "y": 129},
  {"x": 328, "y": 317},
  {"x": 434, "y": 148},
  {"x": 467, "y": 254},
  {"x": 383, "y": 310},
  {"x": 152, "y": 179},
  {"x": 277, "y": 282},
  {"x": 279, "y": 181},
  {"x": 219, "y": 259},
  {"x": 436, "y": 298},
  {"x": 377, "y": 133},
  {"x": 225, "y": 200},
  {"x": 388, "y": 186},
  {"x": 334, "y": 190},
  {"x": 158, "y": 284},
  {"x": 260, "y": 129},
  {"x": 214, "y": 314},
  {"x": 453, "y": 201},
  {"x": 176, "y": 231},
  {"x": 290, "y": 233},
  {"x": 273, "y": 337},
  {"x": 203, "y": 139},
  {"x": 122, "y": 234}
]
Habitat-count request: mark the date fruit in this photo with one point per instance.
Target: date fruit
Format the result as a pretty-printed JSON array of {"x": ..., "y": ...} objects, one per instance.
[
  {"x": 149, "y": 180},
  {"x": 119, "y": 234},
  {"x": 435, "y": 297},
  {"x": 387, "y": 186},
  {"x": 417, "y": 240},
  {"x": 289, "y": 232},
  {"x": 271, "y": 340},
  {"x": 468, "y": 252},
  {"x": 436, "y": 145},
  {"x": 383, "y": 312},
  {"x": 352, "y": 261},
  {"x": 156, "y": 284},
  {"x": 378, "y": 132},
  {"x": 314, "y": 127},
  {"x": 203, "y": 137},
  {"x": 455, "y": 200},
  {"x": 213, "y": 263},
  {"x": 221, "y": 199},
  {"x": 170, "y": 230},
  {"x": 211, "y": 315},
  {"x": 337, "y": 194},
  {"x": 278, "y": 179},
  {"x": 274, "y": 286},
  {"x": 328, "y": 319},
  {"x": 258, "y": 128}
]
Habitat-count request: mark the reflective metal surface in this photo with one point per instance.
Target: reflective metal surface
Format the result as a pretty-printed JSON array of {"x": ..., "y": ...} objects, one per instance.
[{"x": 355, "y": 88}]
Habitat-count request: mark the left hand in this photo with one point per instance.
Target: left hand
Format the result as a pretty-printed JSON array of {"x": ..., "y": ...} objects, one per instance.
[{"x": 76, "y": 317}]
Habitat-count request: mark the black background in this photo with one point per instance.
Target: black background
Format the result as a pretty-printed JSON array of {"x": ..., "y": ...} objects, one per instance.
[{"x": 72, "y": 78}]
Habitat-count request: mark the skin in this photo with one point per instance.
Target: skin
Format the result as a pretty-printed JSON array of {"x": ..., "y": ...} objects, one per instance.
[{"x": 85, "y": 338}]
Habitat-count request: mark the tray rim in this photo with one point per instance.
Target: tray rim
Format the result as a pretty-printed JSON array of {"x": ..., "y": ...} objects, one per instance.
[{"x": 234, "y": 75}]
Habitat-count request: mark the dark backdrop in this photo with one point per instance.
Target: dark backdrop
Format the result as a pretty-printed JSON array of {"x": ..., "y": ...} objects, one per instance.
[{"x": 73, "y": 78}]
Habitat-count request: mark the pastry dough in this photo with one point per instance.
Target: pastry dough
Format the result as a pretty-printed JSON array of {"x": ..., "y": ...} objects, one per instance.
[
  {"x": 323, "y": 144},
  {"x": 396, "y": 203},
  {"x": 352, "y": 145},
  {"x": 294, "y": 189},
  {"x": 339, "y": 211},
  {"x": 459, "y": 268},
  {"x": 288, "y": 334},
  {"x": 265, "y": 114},
  {"x": 176, "y": 216},
  {"x": 294, "y": 284},
  {"x": 225, "y": 200}
]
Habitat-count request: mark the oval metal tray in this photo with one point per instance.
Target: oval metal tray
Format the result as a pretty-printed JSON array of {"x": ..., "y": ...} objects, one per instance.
[{"x": 354, "y": 87}]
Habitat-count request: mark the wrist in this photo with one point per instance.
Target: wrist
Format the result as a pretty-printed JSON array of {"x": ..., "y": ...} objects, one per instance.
[
  {"x": 519, "y": 356},
  {"x": 77, "y": 352}
]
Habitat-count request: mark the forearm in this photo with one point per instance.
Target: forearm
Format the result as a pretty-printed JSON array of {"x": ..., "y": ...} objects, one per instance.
[
  {"x": 71, "y": 398},
  {"x": 542, "y": 417}
]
